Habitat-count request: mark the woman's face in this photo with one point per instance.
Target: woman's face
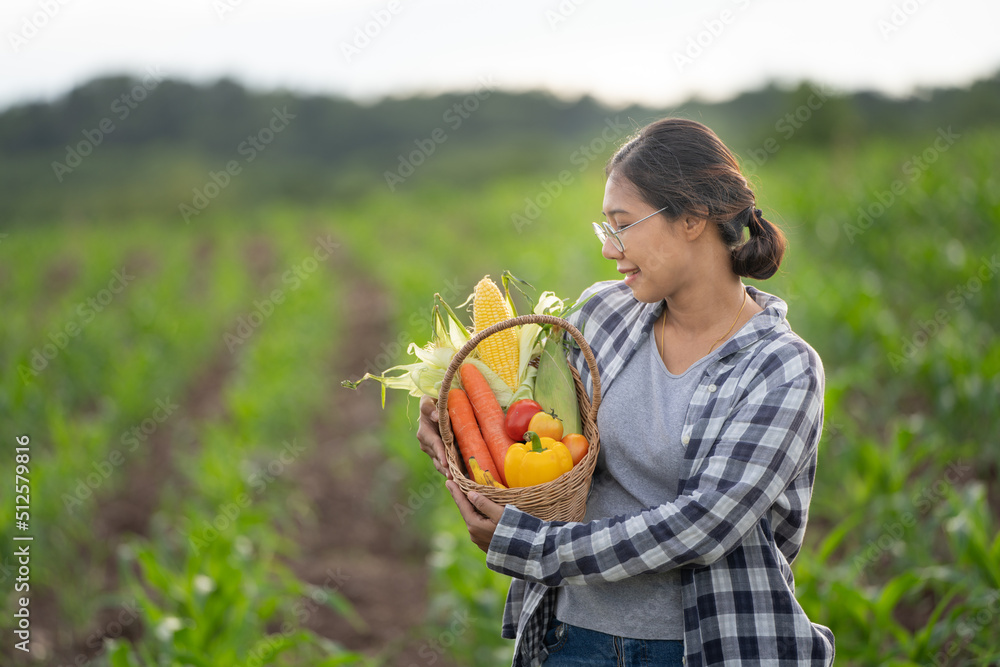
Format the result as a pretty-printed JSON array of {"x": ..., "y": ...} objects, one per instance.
[{"x": 653, "y": 262}]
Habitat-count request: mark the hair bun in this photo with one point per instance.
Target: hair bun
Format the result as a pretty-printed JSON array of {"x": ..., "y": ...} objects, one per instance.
[
  {"x": 683, "y": 166},
  {"x": 754, "y": 221}
]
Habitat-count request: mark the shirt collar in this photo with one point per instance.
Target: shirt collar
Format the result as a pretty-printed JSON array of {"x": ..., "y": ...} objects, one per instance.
[{"x": 770, "y": 319}]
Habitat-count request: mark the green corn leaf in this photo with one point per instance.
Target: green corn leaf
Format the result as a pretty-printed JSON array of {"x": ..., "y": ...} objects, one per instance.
[{"x": 120, "y": 654}]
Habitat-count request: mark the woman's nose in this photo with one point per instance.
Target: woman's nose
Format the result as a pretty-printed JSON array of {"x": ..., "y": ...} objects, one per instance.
[{"x": 609, "y": 250}]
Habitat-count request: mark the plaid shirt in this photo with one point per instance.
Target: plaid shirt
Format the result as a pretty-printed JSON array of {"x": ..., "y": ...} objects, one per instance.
[{"x": 751, "y": 433}]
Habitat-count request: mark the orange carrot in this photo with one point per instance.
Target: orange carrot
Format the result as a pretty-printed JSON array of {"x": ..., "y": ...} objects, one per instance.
[
  {"x": 489, "y": 414},
  {"x": 467, "y": 435}
]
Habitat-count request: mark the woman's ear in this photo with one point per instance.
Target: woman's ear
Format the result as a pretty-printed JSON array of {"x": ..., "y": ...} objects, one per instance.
[{"x": 693, "y": 226}]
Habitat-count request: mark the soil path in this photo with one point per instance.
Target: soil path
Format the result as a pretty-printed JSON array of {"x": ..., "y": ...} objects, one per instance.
[
  {"x": 128, "y": 511},
  {"x": 358, "y": 542}
]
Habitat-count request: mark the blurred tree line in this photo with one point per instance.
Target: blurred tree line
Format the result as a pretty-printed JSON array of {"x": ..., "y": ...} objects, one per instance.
[{"x": 127, "y": 146}]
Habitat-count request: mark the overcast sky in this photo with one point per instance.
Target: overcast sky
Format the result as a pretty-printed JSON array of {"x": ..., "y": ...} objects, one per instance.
[{"x": 621, "y": 51}]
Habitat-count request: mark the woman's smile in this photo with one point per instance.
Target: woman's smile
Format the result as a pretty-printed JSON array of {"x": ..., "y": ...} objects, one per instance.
[{"x": 630, "y": 274}]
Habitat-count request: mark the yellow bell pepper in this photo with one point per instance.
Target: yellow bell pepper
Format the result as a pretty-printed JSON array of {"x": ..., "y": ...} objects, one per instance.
[{"x": 537, "y": 461}]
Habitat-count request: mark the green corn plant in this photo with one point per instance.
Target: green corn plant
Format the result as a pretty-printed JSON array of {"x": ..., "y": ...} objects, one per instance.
[{"x": 228, "y": 602}]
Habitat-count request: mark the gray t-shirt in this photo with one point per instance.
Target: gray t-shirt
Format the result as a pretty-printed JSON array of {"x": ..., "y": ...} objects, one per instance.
[{"x": 639, "y": 466}]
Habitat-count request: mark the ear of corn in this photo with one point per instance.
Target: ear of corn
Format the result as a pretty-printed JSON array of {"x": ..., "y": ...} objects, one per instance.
[
  {"x": 554, "y": 385},
  {"x": 499, "y": 351}
]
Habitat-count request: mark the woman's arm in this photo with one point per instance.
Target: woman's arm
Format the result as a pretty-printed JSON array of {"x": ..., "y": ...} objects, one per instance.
[{"x": 765, "y": 444}]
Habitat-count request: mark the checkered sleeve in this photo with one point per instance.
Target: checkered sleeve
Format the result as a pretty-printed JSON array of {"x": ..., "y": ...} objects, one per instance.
[{"x": 767, "y": 438}]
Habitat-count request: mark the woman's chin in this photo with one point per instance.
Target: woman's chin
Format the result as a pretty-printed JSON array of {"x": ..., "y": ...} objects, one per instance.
[{"x": 641, "y": 293}]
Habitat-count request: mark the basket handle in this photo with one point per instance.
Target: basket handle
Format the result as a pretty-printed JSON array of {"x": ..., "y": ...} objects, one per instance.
[{"x": 444, "y": 424}]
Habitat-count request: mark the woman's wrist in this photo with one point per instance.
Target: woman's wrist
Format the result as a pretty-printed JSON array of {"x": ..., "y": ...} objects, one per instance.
[{"x": 509, "y": 551}]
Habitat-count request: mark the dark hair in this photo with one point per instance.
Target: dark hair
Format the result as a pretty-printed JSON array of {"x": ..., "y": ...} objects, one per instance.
[{"x": 682, "y": 166}]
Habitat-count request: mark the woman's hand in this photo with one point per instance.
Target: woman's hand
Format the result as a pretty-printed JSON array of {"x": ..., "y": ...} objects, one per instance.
[
  {"x": 429, "y": 435},
  {"x": 480, "y": 513}
]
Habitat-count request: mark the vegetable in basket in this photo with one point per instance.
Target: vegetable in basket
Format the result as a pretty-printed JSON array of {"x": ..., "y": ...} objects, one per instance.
[
  {"x": 500, "y": 351},
  {"x": 505, "y": 363},
  {"x": 425, "y": 376},
  {"x": 547, "y": 425},
  {"x": 477, "y": 457},
  {"x": 536, "y": 461},
  {"x": 518, "y": 417},
  {"x": 488, "y": 413},
  {"x": 577, "y": 445},
  {"x": 554, "y": 385}
]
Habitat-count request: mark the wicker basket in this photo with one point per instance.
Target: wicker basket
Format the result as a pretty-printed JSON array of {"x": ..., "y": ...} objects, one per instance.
[{"x": 564, "y": 498}]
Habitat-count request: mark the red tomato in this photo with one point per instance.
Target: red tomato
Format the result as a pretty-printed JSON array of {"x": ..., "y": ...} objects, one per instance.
[
  {"x": 518, "y": 417},
  {"x": 577, "y": 445}
]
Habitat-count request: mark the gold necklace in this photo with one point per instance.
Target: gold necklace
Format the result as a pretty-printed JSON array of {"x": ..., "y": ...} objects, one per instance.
[
  {"x": 663, "y": 327},
  {"x": 732, "y": 325}
]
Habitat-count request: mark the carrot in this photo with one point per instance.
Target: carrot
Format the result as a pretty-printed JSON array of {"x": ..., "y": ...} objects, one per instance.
[
  {"x": 470, "y": 440},
  {"x": 489, "y": 414}
]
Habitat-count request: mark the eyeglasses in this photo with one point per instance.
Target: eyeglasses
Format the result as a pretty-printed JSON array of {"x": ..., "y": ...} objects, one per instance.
[{"x": 603, "y": 230}]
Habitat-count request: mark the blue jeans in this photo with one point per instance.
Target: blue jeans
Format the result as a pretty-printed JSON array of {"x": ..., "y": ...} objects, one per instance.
[{"x": 567, "y": 644}]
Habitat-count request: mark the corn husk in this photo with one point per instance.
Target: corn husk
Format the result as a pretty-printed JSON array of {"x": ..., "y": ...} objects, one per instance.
[{"x": 425, "y": 375}]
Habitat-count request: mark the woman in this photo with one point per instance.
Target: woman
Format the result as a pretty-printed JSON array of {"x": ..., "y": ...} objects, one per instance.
[{"x": 711, "y": 414}]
